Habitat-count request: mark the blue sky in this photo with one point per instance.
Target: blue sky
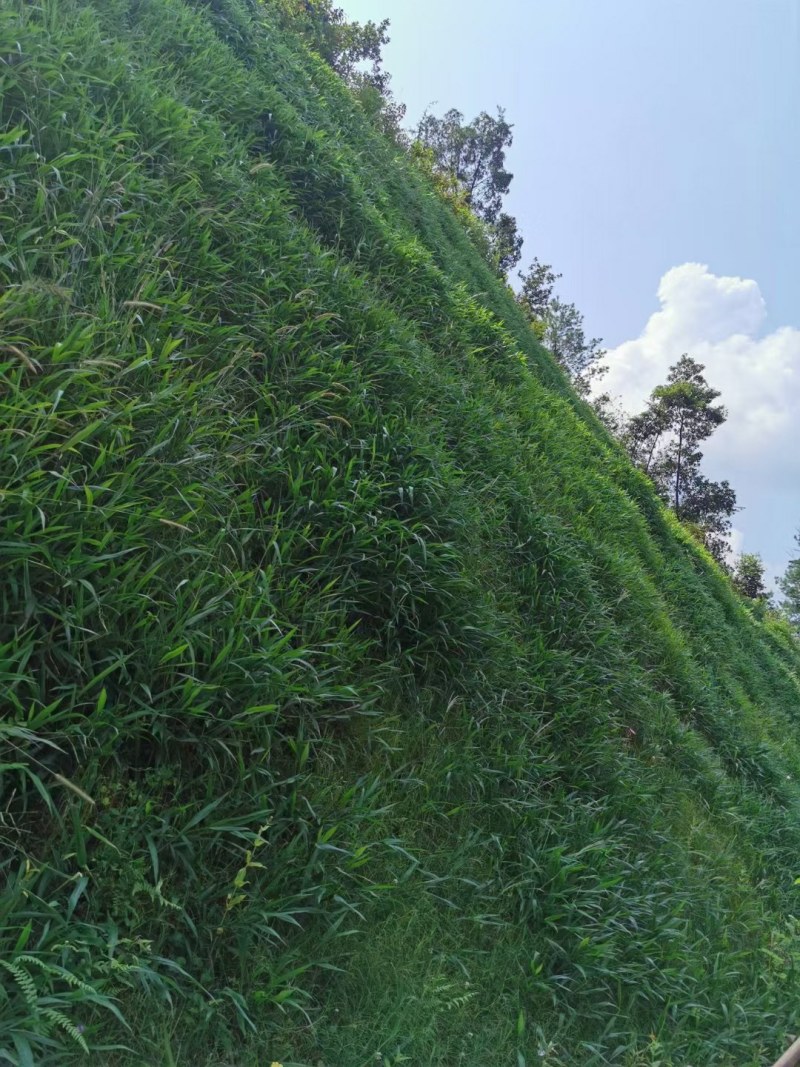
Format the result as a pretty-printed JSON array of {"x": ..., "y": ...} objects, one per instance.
[{"x": 649, "y": 135}]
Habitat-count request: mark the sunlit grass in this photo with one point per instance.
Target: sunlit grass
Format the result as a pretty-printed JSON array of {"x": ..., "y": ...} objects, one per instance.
[{"x": 361, "y": 702}]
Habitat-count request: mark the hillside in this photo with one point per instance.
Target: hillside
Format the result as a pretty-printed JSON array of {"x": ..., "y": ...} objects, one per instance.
[{"x": 361, "y": 701}]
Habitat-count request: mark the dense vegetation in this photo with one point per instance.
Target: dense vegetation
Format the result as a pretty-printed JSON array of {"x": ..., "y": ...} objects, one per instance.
[{"x": 362, "y": 702}]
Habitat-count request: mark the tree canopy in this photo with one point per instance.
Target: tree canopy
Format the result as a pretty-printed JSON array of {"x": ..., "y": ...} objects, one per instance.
[
  {"x": 748, "y": 577},
  {"x": 789, "y": 585},
  {"x": 472, "y": 156},
  {"x": 664, "y": 440},
  {"x": 559, "y": 326},
  {"x": 536, "y": 291},
  {"x": 354, "y": 50},
  {"x": 474, "y": 153}
]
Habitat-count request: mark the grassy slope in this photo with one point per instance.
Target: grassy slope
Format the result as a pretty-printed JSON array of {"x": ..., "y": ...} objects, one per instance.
[{"x": 323, "y": 586}]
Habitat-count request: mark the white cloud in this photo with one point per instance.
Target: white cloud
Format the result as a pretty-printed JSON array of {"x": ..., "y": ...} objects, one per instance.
[
  {"x": 717, "y": 320},
  {"x": 737, "y": 543}
]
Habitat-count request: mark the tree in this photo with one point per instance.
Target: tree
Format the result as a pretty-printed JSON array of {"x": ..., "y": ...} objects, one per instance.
[
  {"x": 342, "y": 44},
  {"x": 536, "y": 292},
  {"x": 709, "y": 506},
  {"x": 470, "y": 157},
  {"x": 505, "y": 243},
  {"x": 748, "y": 577},
  {"x": 686, "y": 403},
  {"x": 789, "y": 585},
  {"x": 559, "y": 326},
  {"x": 564, "y": 335},
  {"x": 474, "y": 154},
  {"x": 664, "y": 441},
  {"x": 353, "y": 50}
]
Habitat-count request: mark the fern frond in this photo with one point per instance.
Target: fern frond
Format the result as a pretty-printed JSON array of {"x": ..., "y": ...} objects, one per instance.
[
  {"x": 56, "y": 971},
  {"x": 59, "y": 1019},
  {"x": 24, "y": 981}
]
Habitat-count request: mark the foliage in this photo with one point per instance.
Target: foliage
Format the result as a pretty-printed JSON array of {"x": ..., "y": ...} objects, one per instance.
[
  {"x": 343, "y": 45},
  {"x": 356, "y": 685},
  {"x": 505, "y": 243},
  {"x": 353, "y": 50},
  {"x": 789, "y": 585},
  {"x": 664, "y": 440},
  {"x": 748, "y": 577},
  {"x": 566, "y": 340},
  {"x": 470, "y": 157},
  {"x": 54, "y": 967},
  {"x": 559, "y": 326},
  {"x": 474, "y": 153},
  {"x": 536, "y": 293}
]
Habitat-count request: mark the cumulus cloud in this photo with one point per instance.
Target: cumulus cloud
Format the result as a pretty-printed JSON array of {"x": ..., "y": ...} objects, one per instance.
[{"x": 718, "y": 321}]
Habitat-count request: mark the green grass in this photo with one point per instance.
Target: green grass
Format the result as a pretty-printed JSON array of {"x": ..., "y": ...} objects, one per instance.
[{"x": 360, "y": 699}]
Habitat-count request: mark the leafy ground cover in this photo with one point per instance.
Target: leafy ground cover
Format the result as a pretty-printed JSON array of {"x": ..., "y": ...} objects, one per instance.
[{"x": 360, "y": 701}]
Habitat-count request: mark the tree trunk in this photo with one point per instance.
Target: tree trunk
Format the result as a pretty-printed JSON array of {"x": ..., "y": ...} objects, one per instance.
[
  {"x": 678, "y": 470},
  {"x": 656, "y": 439}
]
